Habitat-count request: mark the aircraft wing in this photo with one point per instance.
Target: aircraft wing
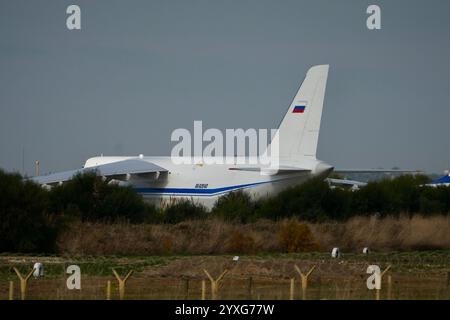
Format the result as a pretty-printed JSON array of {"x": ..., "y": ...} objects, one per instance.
[
  {"x": 119, "y": 170},
  {"x": 346, "y": 182}
]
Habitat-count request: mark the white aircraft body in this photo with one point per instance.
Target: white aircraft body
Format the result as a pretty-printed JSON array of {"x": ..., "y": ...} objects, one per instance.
[{"x": 160, "y": 179}]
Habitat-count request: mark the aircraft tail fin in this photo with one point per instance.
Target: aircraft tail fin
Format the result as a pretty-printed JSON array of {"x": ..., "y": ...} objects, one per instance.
[{"x": 298, "y": 133}]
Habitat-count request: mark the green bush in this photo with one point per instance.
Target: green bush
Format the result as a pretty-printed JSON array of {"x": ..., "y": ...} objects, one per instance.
[
  {"x": 316, "y": 201},
  {"x": 434, "y": 200},
  {"x": 183, "y": 210},
  {"x": 304, "y": 202},
  {"x": 31, "y": 217},
  {"x": 25, "y": 225},
  {"x": 91, "y": 198},
  {"x": 234, "y": 206},
  {"x": 391, "y": 196}
]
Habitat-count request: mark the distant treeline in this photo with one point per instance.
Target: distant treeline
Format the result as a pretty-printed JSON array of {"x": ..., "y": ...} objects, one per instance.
[{"x": 32, "y": 217}]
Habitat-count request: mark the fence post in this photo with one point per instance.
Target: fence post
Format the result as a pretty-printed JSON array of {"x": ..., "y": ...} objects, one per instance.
[
  {"x": 122, "y": 282},
  {"x": 319, "y": 291},
  {"x": 108, "y": 290},
  {"x": 215, "y": 283},
  {"x": 377, "y": 296},
  {"x": 23, "y": 282},
  {"x": 186, "y": 288},
  {"x": 389, "y": 281},
  {"x": 203, "y": 289},
  {"x": 304, "y": 279},
  {"x": 11, "y": 290},
  {"x": 250, "y": 288},
  {"x": 291, "y": 289}
]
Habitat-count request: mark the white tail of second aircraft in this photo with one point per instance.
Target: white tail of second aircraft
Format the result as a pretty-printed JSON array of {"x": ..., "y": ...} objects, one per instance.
[{"x": 298, "y": 132}]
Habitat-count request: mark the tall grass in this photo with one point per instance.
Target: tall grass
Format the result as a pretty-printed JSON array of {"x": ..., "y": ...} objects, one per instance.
[
  {"x": 214, "y": 236},
  {"x": 404, "y": 233}
]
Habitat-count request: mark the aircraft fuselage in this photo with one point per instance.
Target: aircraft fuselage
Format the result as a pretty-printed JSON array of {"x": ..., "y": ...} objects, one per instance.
[{"x": 204, "y": 183}]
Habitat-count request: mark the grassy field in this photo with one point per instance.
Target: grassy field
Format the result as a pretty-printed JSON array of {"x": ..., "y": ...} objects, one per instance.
[
  {"x": 218, "y": 237},
  {"x": 415, "y": 275}
]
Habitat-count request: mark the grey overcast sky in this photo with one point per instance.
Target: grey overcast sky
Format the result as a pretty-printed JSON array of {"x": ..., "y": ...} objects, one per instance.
[{"x": 137, "y": 70}]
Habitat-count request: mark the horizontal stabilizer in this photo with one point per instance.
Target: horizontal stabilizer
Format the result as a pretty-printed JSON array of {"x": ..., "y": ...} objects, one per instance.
[{"x": 272, "y": 171}]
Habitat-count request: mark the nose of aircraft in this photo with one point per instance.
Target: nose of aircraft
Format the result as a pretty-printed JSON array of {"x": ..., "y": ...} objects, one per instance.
[{"x": 323, "y": 168}]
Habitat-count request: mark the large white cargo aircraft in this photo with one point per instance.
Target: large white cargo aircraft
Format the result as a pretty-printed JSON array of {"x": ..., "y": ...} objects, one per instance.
[{"x": 160, "y": 179}]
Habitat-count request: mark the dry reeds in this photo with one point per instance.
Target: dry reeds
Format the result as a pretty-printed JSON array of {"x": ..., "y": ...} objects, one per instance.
[{"x": 214, "y": 236}]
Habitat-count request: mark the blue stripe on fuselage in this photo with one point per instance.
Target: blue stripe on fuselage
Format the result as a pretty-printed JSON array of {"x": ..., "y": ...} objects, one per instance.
[{"x": 199, "y": 192}]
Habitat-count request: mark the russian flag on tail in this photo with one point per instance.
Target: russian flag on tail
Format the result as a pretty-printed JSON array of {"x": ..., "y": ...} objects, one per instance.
[{"x": 299, "y": 109}]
